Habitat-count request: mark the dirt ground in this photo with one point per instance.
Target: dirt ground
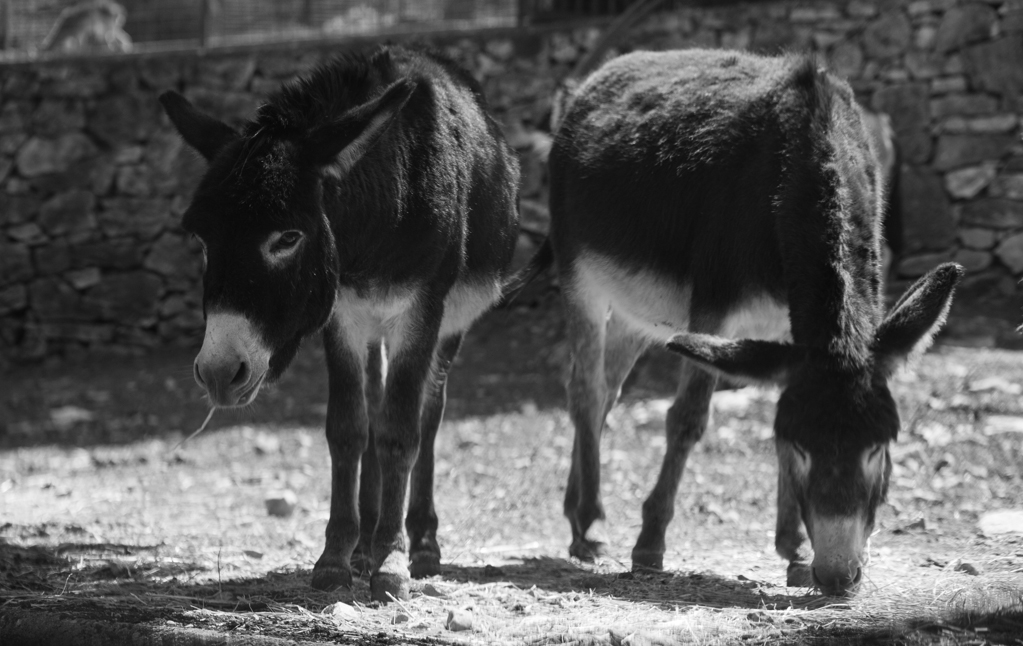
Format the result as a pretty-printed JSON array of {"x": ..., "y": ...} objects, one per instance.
[{"x": 100, "y": 520}]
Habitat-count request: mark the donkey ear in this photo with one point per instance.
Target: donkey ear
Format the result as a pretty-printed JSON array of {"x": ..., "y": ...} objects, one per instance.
[
  {"x": 336, "y": 146},
  {"x": 199, "y": 130},
  {"x": 911, "y": 325},
  {"x": 747, "y": 360}
]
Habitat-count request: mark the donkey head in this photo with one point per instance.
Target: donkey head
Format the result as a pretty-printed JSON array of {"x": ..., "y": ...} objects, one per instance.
[
  {"x": 270, "y": 263},
  {"x": 833, "y": 426}
]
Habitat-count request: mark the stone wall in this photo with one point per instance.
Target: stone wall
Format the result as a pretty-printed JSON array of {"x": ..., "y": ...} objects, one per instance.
[{"x": 93, "y": 180}]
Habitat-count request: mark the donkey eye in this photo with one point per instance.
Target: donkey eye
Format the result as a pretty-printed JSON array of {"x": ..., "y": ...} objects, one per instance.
[{"x": 286, "y": 240}]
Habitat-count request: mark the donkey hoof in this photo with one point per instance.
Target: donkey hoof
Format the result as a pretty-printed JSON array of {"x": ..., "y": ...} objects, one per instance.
[
  {"x": 425, "y": 564},
  {"x": 392, "y": 579},
  {"x": 388, "y": 586},
  {"x": 799, "y": 575},
  {"x": 647, "y": 561},
  {"x": 587, "y": 551},
  {"x": 331, "y": 577}
]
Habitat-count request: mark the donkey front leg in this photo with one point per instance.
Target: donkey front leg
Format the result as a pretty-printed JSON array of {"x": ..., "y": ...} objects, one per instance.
[
  {"x": 347, "y": 436},
  {"x": 397, "y": 446},
  {"x": 684, "y": 426},
  {"x": 790, "y": 533},
  {"x": 369, "y": 480},
  {"x": 421, "y": 522}
]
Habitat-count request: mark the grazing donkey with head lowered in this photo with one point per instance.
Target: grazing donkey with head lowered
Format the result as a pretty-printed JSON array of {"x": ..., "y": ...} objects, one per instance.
[
  {"x": 374, "y": 199},
  {"x": 730, "y": 205}
]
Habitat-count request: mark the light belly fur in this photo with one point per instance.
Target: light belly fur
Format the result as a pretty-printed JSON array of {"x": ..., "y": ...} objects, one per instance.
[
  {"x": 658, "y": 308},
  {"x": 390, "y": 314}
]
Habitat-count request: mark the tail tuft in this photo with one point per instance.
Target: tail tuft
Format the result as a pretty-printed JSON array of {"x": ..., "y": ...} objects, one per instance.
[{"x": 541, "y": 261}]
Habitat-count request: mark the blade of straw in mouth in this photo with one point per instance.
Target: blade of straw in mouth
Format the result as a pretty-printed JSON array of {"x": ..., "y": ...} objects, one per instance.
[{"x": 197, "y": 431}]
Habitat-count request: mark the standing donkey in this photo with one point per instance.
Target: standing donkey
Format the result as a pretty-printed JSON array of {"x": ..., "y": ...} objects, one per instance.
[
  {"x": 374, "y": 199},
  {"x": 730, "y": 205}
]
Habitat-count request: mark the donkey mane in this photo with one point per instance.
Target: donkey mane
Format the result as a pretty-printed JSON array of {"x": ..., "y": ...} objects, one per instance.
[
  {"x": 265, "y": 158},
  {"x": 836, "y": 309},
  {"x": 333, "y": 87}
]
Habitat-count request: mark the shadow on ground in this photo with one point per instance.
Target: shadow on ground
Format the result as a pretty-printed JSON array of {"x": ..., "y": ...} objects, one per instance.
[
  {"x": 121, "y": 585},
  {"x": 511, "y": 359},
  {"x": 666, "y": 589}
]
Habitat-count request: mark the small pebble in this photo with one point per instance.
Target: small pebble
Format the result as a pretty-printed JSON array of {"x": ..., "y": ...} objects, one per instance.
[
  {"x": 400, "y": 618},
  {"x": 67, "y": 416},
  {"x": 431, "y": 590},
  {"x": 281, "y": 504},
  {"x": 997, "y": 384},
  {"x": 341, "y": 610},
  {"x": 458, "y": 620},
  {"x": 1001, "y": 521},
  {"x": 996, "y": 424},
  {"x": 918, "y": 524},
  {"x": 968, "y": 568},
  {"x": 266, "y": 444}
]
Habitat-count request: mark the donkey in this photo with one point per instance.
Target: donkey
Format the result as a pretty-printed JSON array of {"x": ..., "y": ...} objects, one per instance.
[
  {"x": 730, "y": 205},
  {"x": 376, "y": 200}
]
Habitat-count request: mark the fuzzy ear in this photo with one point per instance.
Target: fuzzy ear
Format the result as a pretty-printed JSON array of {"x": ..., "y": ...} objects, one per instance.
[
  {"x": 199, "y": 130},
  {"x": 911, "y": 325},
  {"x": 747, "y": 360},
  {"x": 338, "y": 145}
]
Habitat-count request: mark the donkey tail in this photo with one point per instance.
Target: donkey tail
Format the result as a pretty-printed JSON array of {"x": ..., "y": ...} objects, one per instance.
[{"x": 540, "y": 262}]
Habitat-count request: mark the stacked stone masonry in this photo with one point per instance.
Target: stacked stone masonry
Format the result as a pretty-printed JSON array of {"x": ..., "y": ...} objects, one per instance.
[{"x": 93, "y": 180}]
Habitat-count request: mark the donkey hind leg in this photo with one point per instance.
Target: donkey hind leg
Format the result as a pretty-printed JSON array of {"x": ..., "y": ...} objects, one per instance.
[
  {"x": 369, "y": 477},
  {"x": 790, "y": 534},
  {"x": 586, "y": 327},
  {"x": 421, "y": 522},
  {"x": 347, "y": 437},
  {"x": 603, "y": 353},
  {"x": 621, "y": 349},
  {"x": 686, "y": 421}
]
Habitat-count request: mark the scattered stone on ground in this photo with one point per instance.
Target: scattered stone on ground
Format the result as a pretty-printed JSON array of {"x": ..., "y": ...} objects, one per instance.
[
  {"x": 66, "y": 417},
  {"x": 968, "y": 568},
  {"x": 995, "y": 424},
  {"x": 266, "y": 443},
  {"x": 400, "y": 617},
  {"x": 459, "y": 619},
  {"x": 916, "y": 525},
  {"x": 1001, "y": 521},
  {"x": 281, "y": 503},
  {"x": 936, "y": 435},
  {"x": 997, "y": 384},
  {"x": 342, "y": 611}
]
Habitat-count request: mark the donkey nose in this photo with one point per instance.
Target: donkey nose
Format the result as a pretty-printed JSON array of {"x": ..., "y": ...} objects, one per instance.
[
  {"x": 837, "y": 582},
  {"x": 233, "y": 360},
  {"x": 225, "y": 378}
]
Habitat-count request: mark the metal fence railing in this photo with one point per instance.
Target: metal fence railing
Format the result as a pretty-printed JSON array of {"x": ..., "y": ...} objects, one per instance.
[{"x": 40, "y": 28}]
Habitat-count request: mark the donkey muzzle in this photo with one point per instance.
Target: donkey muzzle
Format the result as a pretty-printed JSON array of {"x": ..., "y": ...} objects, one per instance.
[
  {"x": 840, "y": 553},
  {"x": 233, "y": 360}
]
